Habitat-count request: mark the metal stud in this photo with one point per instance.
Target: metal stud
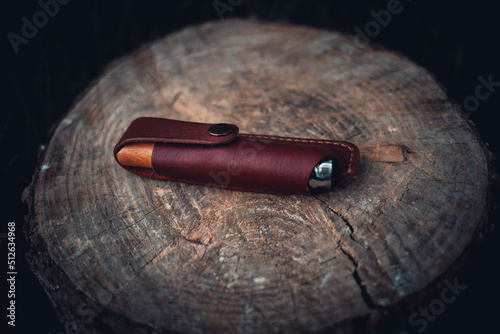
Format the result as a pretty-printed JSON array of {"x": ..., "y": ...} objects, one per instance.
[{"x": 220, "y": 129}]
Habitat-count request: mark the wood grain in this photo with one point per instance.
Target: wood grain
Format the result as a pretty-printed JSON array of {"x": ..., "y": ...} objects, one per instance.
[
  {"x": 119, "y": 252},
  {"x": 136, "y": 155}
]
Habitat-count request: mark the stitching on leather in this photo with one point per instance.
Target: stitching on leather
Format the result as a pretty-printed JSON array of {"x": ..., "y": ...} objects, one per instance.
[{"x": 310, "y": 141}]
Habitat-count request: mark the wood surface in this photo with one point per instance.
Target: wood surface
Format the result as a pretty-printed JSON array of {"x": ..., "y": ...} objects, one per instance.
[{"x": 115, "y": 251}]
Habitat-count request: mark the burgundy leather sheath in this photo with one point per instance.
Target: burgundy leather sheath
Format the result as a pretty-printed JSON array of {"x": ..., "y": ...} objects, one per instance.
[{"x": 189, "y": 152}]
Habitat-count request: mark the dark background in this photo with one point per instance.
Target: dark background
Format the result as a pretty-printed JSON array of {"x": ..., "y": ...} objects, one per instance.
[{"x": 456, "y": 41}]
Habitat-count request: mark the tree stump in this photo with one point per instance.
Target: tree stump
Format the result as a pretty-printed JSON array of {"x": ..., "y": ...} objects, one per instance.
[{"x": 115, "y": 251}]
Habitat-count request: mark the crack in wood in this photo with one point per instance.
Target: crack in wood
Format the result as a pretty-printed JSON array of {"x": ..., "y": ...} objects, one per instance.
[
  {"x": 194, "y": 241},
  {"x": 364, "y": 292},
  {"x": 338, "y": 214}
]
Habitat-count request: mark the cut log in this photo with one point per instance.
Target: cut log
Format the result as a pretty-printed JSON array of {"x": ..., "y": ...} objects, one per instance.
[{"x": 116, "y": 251}]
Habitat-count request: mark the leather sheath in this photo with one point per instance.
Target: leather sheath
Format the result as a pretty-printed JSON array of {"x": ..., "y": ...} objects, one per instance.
[{"x": 187, "y": 152}]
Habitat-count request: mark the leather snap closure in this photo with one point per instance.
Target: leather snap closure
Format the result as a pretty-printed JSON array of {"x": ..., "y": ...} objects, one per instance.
[{"x": 220, "y": 129}]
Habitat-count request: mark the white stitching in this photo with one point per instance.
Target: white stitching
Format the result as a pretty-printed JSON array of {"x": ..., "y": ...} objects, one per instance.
[{"x": 300, "y": 140}]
